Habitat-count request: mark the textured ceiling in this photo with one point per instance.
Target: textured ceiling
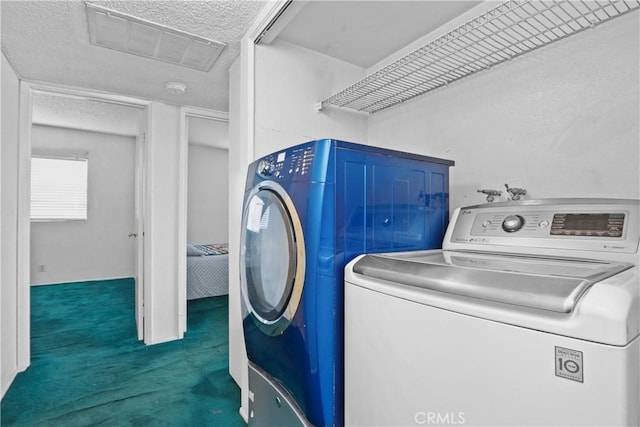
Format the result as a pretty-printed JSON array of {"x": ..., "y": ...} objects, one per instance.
[
  {"x": 99, "y": 116},
  {"x": 85, "y": 114},
  {"x": 48, "y": 41}
]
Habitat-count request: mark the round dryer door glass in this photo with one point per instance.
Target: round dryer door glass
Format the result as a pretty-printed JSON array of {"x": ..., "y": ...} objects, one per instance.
[{"x": 271, "y": 258}]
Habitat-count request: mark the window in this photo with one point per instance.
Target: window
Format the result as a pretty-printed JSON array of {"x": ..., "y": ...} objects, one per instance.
[{"x": 58, "y": 188}]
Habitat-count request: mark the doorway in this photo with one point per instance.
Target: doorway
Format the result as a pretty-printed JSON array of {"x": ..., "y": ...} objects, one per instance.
[
  {"x": 203, "y": 218},
  {"x": 54, "y": 114}
]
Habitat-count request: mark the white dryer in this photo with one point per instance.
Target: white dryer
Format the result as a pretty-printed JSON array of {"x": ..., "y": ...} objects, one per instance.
[{"x": 529, "y": 315}]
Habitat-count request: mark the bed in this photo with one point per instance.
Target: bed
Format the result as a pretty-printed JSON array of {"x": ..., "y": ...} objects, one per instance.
[{"x": 207, "y": 270}]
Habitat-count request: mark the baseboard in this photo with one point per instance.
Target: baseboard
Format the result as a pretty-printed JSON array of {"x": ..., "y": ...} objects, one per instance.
[
  {"x": 81, "y": 281},
  {"x": 244, "y": 414},
  {"x": 5, "y": 387},
  {"x": 155, "y": 340}
]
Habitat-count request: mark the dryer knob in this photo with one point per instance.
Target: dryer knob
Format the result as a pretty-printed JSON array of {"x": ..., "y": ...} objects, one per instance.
[
  {"x": 265, "y": 168},
  {"x": 512, "y": 223}
]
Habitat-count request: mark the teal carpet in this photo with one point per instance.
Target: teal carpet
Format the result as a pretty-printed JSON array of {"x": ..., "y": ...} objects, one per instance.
[{"x": 89, "y": 369}]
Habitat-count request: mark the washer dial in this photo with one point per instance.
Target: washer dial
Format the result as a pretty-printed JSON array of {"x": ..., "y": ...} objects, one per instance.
[{"x": 512, "y": 223}]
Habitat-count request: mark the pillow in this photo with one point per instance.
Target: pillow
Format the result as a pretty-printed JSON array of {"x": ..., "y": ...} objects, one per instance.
[{"x": 193, "y": 251}]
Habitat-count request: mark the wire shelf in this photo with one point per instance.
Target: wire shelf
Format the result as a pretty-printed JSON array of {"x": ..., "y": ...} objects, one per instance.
[{"x": 511, "y": 29}]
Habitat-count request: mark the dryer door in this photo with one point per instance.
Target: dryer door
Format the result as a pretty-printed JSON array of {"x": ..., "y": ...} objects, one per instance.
[{"x": 272, "y": 258}]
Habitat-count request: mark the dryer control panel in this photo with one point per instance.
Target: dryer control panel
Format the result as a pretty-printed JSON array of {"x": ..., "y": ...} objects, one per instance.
[{"x": 296, "y": 161}]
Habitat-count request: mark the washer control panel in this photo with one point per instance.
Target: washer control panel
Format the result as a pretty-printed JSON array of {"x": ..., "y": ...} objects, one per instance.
[
  {"x": 550, "y": 223},
  {"x": 548, "y": 226}
]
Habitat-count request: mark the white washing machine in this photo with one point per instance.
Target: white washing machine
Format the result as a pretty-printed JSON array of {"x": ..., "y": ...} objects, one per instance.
[{"x": 529, "y": 315}]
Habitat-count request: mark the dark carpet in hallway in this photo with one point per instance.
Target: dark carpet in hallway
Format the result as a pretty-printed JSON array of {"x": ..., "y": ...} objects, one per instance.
[{"x": 89, "y": 369}]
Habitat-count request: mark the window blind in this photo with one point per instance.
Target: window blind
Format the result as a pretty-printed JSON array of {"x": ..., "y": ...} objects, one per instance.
[{"x": 58, "y": 188}]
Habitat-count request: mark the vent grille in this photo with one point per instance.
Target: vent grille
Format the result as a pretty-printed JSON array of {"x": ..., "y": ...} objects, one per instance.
[{"x": 115, "y": 30}]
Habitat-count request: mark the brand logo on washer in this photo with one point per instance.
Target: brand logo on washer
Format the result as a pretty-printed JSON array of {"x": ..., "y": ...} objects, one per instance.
[
  {"x": 613, "y": 247},
  {"x": 569, "y": 364}
]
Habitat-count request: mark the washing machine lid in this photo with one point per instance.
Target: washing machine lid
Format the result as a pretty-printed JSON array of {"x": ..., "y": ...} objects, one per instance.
[{"x": 553, "y": 284}]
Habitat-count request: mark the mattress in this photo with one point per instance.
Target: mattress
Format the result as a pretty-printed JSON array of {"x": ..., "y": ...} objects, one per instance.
[{"x": 208, "y": 275}]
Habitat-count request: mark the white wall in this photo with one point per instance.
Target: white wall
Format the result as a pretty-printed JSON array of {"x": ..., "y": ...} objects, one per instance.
[
  {"x": 208, "y": 195},
  {"x": 290, "y": 80},
  {"x": 8, "y": 218},
  {"x": 209, "y": 132},
  {"x": 161, "y": 228},
  {"x": 562, "y": 121},
  {"x": 98, "y": 248}
]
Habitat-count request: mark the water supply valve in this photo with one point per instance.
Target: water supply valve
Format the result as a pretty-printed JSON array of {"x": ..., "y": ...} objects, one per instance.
[
  {"x": 491, "y": 194},
  {"x": 515, "y": 193}
]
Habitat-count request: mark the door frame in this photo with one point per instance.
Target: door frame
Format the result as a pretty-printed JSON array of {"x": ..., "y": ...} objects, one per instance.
[
  {"x": 183, "y": 185},
  {"x": 27, "y": 89},
  {"x": 141, "y": 213}
]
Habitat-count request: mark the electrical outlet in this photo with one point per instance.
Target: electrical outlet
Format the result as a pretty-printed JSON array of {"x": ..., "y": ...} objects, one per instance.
[{"x": 41, "y": 268}]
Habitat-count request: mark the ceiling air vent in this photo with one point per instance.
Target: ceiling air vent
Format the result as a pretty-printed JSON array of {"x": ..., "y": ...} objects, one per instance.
[{"x": 115, "y": 30}]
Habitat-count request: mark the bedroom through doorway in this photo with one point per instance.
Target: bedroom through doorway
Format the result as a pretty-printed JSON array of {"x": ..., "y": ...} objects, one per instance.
[{"x": 206, "y": 205}]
